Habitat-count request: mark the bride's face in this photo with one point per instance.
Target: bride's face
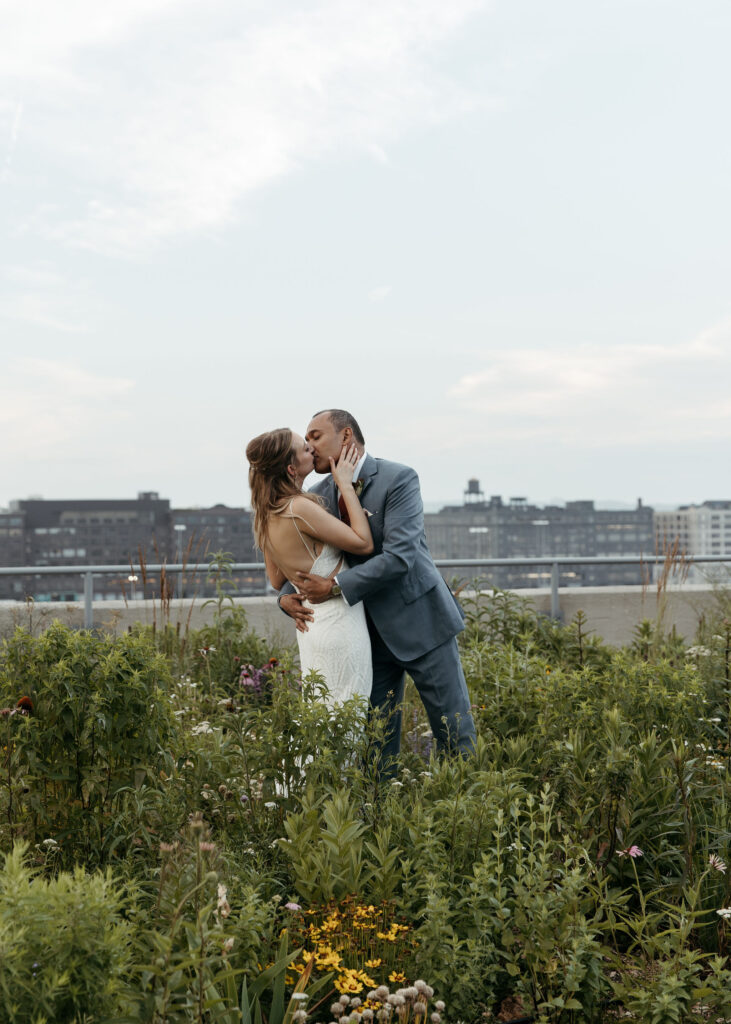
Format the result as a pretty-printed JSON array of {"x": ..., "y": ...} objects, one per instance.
[{"x": 303, "y": 463}]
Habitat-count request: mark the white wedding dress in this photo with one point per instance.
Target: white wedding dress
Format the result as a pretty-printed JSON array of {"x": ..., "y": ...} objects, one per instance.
[{"x": 336, "y": 645}]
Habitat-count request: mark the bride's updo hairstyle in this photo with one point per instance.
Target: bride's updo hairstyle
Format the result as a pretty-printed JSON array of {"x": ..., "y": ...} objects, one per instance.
[{"x": 270, "y": 455}]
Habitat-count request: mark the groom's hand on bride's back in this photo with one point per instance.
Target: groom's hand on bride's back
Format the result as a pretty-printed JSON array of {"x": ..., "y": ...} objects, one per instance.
[
  {"x": 292, "y": 605},
  {"x": 315, "y": 588}
]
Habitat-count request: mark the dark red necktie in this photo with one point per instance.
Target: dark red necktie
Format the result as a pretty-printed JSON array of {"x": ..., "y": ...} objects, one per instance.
[{"x": 343, "y": 511}]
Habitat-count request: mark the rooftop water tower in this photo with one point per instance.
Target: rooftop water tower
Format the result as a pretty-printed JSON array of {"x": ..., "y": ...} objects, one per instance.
[{"x": 473, "y": 495}]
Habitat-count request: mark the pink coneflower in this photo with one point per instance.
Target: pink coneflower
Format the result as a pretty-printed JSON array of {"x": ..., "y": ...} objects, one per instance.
[{"x": 631, "y": 851}]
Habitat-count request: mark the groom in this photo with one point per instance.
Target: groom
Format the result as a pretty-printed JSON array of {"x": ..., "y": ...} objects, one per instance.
[{"x": 413, "y": 618}]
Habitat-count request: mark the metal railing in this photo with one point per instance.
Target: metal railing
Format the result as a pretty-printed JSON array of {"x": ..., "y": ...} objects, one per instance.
[{"x": 88, "y": 572}]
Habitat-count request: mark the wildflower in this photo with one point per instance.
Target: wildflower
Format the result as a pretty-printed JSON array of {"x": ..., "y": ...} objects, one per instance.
[
  {"x": 336, "y": 1009},
  {"x": 299, "y": 1015},
  {"x": 205, "y": 651},
  {"x": 299, "y": 995},
  {"x": 270, "y": 804},
  {"x": 439, "y": 1005},
  {"x": 631, "y": 851},
  {"x": 345, "y": 1000},
  {"x": 396, "y": 784},
  {"x": 292, "y": 906},
  {"x": 382, "y": 992},
  {"x": 25, "y": 705},
  {"x": 419, "y": 1009},
  {"x": 435, "y": 1018},
  {"x": 168, "y": 847},
  {"x": 207, "y": 847},
  {"x": 716, "y": 862},
  {"x": 724, "y": 912},
  {"x": 228, "y": 945},
  {"x": 51, "y": 844},
  {"x": 374, "y": 963},
  {"x": 201, "y": 728},
  {"x": 223, "y": 905}
]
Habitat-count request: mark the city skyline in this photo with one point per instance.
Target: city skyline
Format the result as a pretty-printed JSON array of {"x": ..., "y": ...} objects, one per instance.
[{"x": 497, "y": 232}]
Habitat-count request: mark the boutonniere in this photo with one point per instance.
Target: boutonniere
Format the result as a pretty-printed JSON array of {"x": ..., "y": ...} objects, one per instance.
[{"x": 358, "y": 487}]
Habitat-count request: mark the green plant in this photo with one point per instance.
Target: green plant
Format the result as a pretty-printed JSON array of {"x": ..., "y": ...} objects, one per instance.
[
  {"x": 101, "y": 725},
  {"x": 65, "y": 946}
]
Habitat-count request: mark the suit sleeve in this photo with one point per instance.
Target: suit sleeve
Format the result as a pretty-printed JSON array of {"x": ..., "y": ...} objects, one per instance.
[
  {"x": 403, "y": 526},
  {"x": 286, "y": 589}
]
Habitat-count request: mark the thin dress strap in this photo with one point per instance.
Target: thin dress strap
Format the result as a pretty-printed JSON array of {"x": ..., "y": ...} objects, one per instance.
[{"x": 294, "y": 517}]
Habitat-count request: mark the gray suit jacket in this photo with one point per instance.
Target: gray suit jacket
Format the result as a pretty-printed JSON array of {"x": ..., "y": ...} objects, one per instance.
[{"x": 403, "y": 592}]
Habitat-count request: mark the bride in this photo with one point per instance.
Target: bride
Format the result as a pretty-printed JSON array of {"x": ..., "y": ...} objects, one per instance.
[{"x": 296, "y": 534}]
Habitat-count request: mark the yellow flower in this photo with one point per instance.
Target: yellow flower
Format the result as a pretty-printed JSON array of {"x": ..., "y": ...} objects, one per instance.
[
  {"x": 348, "y": 981},
  {"x": 397, "y": 976},
  {"x": 374, "y": 963},
  {"x": 366, "y": 979}
]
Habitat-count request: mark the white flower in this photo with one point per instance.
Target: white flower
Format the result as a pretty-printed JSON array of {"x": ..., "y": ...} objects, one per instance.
[
  {"x": 223, "y": 907},
  {"x": 715, "y": 862},
  {"x": 203, "y": 727},
  {"x": 724, "y": 912},
  {"x": 50, "y": 843},
  {"x": 270, "y": 804}
]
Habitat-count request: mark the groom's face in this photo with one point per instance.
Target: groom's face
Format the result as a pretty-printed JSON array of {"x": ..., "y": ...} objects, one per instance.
[{"x": 325, "y": 441}]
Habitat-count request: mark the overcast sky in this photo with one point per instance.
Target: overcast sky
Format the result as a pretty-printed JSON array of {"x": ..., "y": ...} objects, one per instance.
[{"x": 497, "y": 231}]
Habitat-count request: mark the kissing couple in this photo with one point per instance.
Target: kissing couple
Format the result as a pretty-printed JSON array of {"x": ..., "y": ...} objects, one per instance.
[{"x": 353, "y": 569}]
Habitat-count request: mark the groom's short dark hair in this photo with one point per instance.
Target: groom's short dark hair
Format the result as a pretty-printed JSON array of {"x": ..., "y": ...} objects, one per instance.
[{"x": 342, "y": 419}]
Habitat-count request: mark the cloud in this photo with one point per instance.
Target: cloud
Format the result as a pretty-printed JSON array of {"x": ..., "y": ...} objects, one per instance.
[
  {"x": 169, "y": 117},
  {"x": 380, "y": 293},
  {"x": 611, "y": 395},
  {"x": 54, "y": 408},
  {"x": 41, "y": 296},
  {"x": 12, "y": 142}
]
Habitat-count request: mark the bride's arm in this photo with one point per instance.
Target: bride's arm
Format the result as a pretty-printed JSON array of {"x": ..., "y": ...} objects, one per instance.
[
  {"x": 356, "y": 539},
  {"x": 320, "y": 525}
]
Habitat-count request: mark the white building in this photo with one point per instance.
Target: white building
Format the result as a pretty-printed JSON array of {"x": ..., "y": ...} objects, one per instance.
[{"x": 699, "y": 530}]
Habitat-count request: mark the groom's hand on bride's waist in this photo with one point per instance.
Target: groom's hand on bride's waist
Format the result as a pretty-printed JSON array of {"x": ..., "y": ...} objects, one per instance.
[
  {"x": 292, "y": 605},
  {"x": 315, "y": 588}
]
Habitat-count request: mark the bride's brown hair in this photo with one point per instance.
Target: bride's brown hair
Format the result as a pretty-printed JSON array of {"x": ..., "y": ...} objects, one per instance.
[{"x": 270, "y": 455}]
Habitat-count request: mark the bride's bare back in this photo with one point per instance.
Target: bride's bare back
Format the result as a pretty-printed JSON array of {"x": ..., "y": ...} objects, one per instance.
[{"x": 291, "y": 538}]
